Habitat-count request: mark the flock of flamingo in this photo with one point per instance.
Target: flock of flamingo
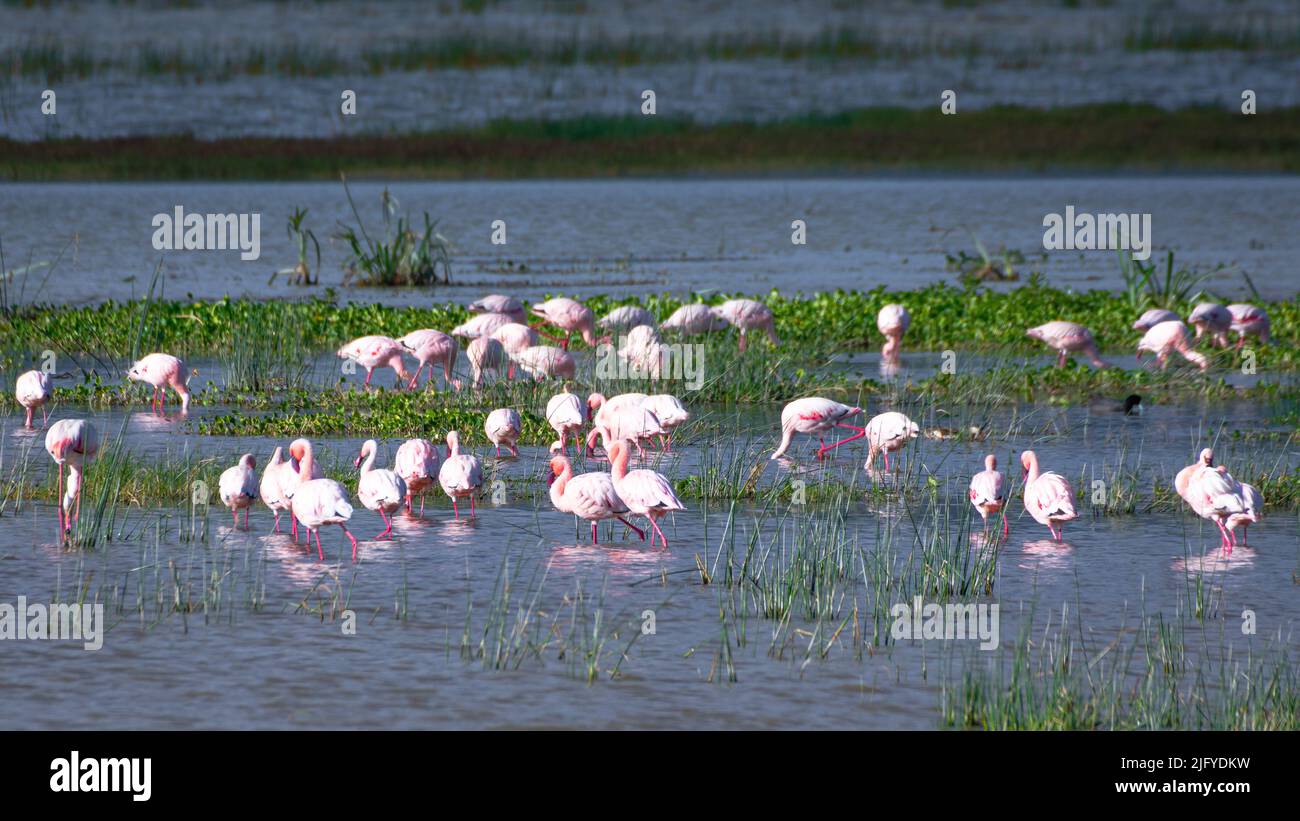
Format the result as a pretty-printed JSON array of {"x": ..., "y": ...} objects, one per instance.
[{"x": 500, "y": 337}]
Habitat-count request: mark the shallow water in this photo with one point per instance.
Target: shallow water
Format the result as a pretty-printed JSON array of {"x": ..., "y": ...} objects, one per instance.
[
  {"x": 638, "y": 236},
  {"x": 279, "y": 666}
]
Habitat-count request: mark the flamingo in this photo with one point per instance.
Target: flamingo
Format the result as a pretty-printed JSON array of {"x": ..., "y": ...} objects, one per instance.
[
  {"x": 1048, "y": 496},
  {"x": 73, "y": 442},
  {"x": 503, "y": 427},
  {"x": 621, "y": 417},
  {"x": 748, "y": 315},
  {"x": 543, "y": 361},
  {"x": 417, "y": 461},
  {"x": 499, "y": 304},
  {"x": 1067, "y": 338},
  {"x": 626, "y": 318},
  {"x": 645, "y": 492},
  {"x": 886, "y": 433},
  {"x": 315, "y": 502},
  {"x": 460, "y": 475},
  {"x": 514, "y": 337},
  {"x": 485, "y": 354},
  {"x": 568, "y": 315},
  {"x": 294, "y": 472},
  {"x": 986, "y": 492},
  {"x": 32, "y": 391},
  {"x": 1213, "y": 319},
  {"x": 668, "y": 409},
  {"x": 1154, "y": 317},
  {"x": 238, "y": 487},
  {"x": 692, "y": 320},
  {"x": 1253, "y": 504},
  {"x": 481, "y": 325},
  {"x": 380, "y": 490},
  {"x": 1211, "y": 493},
  {"x": 892, "y": 322},
  {"x": 430, "y": 347},
  {"x": 162, "y": 371},
  {"x": 589, "y": 496},
  {"x": 1248, "y": 320},
  {"x": 644, "y": 351},
  {"x": 269, "y": 488},
  {"x": 815, "y": 415},
  {"x": 372, "y": 352},
  {"x": 1170, "y": 337},
  {"x": 566, "y": 414}
]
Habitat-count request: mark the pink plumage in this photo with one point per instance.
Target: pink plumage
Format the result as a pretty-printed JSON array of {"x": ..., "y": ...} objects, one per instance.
[
  {"x": 71, "y": 443},
  {"x": 1213, "y": 319},
  {"x": 816, "y": 416},
  {"x": 417, "y": 462},
  {"x": 568, "y": 315},
  {"x": 747, "y": 315},
  {"x": 461, "y": 476},
  {"x": 481, "y": 325},
  {"x": 500, "y": 304},
  {"x": 645, "y": 492},
  {"x": 378, "y": 489},
  {"x": 238, "y": 487},
  {"x": 888, "y": 432},
  {"x": 162, "y": 371},
  {"x": 371, "y": 352},
  {"x": 484, "y": 353},
  {"x": 892, "y": 322},
  {"x": 1249, "y": 320},
  {"x": 1048, "y": 496},
  {"x": 32, "y": 391},
  {"x": 430, "y": 348},
  {"x": 1170, "y": 337},
  {"x": 986, "y": 493},
  {"x": 1067, "y": 338},
  {"x": 589, "y": 496},
  {"x": 544, "y": 361},
  {"x": 690, "y": 320}
]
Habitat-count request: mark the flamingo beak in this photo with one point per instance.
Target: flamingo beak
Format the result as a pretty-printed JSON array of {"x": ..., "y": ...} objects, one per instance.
[{"x": 356, "y": 463}]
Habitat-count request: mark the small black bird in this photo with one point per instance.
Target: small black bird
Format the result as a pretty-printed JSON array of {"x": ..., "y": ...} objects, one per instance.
[{"x": 1132, "y": 405}]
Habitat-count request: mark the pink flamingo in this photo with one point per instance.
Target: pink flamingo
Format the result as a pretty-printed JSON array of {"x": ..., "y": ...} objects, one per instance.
[
  {"x": 892, "y": 322},
  {"x": 380, "y": 490},
  {"x": 691, "y": 320},
  {"x": 238, "y": 487},
  {"x": 1253, "y": 504},
  {"x": 514, "y": 337},
  {"x": 815, "y": 415},
  {"x": 644, "y": 351},
  {"x": 499, "y": 304},
  {"x": 1048, "y": 496},
  {"x": 1248, "y": 320},
  {"x": 645, "y": 492},
  {"x": 417, "y": 462},
  {"x": 589, "y": 496},
  {"x": 886, "y": 433},
  {"x": 748, "y": 315},
  {"x": 32, "y": 391},
  {"x": 624, "y": 416},
  {"x": 73, "y": 442},
  {"x": 269, "y": 488},
  {"x": 626, "y": 318},
  {"x": 986, "y": 492},
  {"x": 295, "y": 471},
  {"x": 503, "y": 427},
  {"x": 1211, "y": 493},
  {"x": 568, "y": 315},
  {"x": 544, "y": 361},
  {"x": 481, "y": 325},
  {"x": 430, "y": 347},
  {"x": 1154, "y": 317},
  {"x": 566, "y": 414},
  {"x": 1169, "y": 337},
  {"x": 460, "y": 475},
  {"x": 1067, "y": 338},
  {"x": 316, "y": 502},
  {"x": 162, "y": 371},
  {"x": 484, "y": 354},
  {"x": 372, "y": 352},
  {"x": 670, "y": 412},
  {"x": 1213, "y": 319}
]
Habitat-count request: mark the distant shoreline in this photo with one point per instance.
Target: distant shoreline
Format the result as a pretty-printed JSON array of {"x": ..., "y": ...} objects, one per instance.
[{"x": 1109, "y": 138}]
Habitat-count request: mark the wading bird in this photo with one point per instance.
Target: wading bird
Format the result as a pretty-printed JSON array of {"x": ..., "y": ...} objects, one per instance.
[
  {"x": 379, "y": 489},
  {"x": 589, "y": 496},
  {"x": 71, "y": 442},
  {"x": 544, "y": 361},
  {"x": 499, "y": 304},
  {"x": 481, "y": 325},
  {"x": 293, "y": 473},
  {"x": 485, "y": 354},
  {"x": 1253, "y": 504},
  {"x": 747, "y": 315},
  {"x": 317, "y": 502},
  {"x": 503, "y": 427},
  {"x": 238, "y": 487},
  {"x": 460, "y": 475},
  {"x": 372, "y": 352},
  {"x": 162, "y": 371},
  {"x": 1211, "y": 493},
  {"x": 430, "y": 347},
  {"x": 1170, "y": 337},
  {"x": 816, "y": 416},
  {"x": 886, "y": 433},
  {"x": 986, "y": 492},
  {"x": 568, "y": 315},
  {"x": 670, "y": 412},
  {"x": 626, "y": 318},
  {"x": 1067, "y": 338},
  {"x": 893, "y": 321},
  {"x": 566, "y": 414},
  {"x": 1154, "y": 317},
  {"x": 691, "y": 320},
  {"x": 32, "y": 391},
  {"x": 1048, "y": 496},
  {"x": 514, "y": 337},
  {"x": 1212, "y": 319},
  {"x": 417, "y": 462},
  {"x": 645, "y": 492},
  {"x": 1248, "y": 320}
]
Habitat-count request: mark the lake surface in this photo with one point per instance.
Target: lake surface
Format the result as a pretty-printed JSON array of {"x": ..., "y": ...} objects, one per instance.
[{"x": 638, "y": 236}]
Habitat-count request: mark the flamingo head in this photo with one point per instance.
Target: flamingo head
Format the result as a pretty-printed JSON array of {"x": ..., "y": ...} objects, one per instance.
[
  {"x": 453, "y": 443},
  {"x": 1207, "y": 457},
  {"x": 990, "y": 462},
  {"x": 593, "y": 403},
  {"x": 559, "y": 464},
  {"x": 298, "y": 449},
  {"x": 248, "y": 461},
  {"x": 1027, "y": 460}
]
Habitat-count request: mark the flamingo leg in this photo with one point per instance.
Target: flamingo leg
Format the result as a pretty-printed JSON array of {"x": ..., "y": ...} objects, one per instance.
[
  {"x": 320, "y": 552},
  {"x": 514, "y": 450},
  {"x": 887, "y": 468},
  {"x": 369, "y": 372},
  {"x": 421, "y": 505},
  {"x": 59, "y": 501},
  {"x": 1006, "y": 529},
  {"x": 655, "y": 525},
  {"x": 415, "y": 380},
  {"x": 498, "y": 451},
  {"x": 245, "y": 518},
  {"x": 388, "y": 522},
  {"x": 594, "y": 540},
  {"x": 473, "y": 512},
  {"x": 234, "y": 514},
  {"x": 277, "y": 522},
  {"x": 455, "y": 508},
  {"x": 352, "y": 539},
  {"x": 861, "y": 432},
  {"x": 30, "y": 412},
  {"x": 742, "y": 341},
  {"x": 639, "y": 531}
]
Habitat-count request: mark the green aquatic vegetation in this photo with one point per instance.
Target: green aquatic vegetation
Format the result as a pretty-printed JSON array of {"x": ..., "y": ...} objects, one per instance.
[{"x": 401, "y": 255}]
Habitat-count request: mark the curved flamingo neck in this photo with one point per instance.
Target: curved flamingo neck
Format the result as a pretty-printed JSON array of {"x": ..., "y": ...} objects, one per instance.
[
  {"x": 369, "y": 461},
  {"x": 308, "y": 461},
  {"x": 619, "y": 465},
  {"x": 560, "y": 483},
  {"x": 1032, "y": 475}
]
